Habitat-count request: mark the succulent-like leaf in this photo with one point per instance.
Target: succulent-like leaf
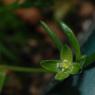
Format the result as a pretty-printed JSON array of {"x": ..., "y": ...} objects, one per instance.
[
  {"x": 66, "y": 55},
  {"x": 62, "y": 75},
  {"x": 50, "y": 65}
]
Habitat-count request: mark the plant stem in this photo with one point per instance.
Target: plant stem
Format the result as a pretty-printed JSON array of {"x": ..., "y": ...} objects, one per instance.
[{"x": 24, "y": 69}]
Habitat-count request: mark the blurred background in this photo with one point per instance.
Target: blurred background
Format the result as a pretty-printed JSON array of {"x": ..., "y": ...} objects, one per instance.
[{"x": 24, "y": 43}]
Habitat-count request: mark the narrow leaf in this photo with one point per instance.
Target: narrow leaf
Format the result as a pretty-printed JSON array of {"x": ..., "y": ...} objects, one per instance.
[
  {"x": 2, "y": 78},
  {"x": 50, "y": 65},
  {"x": 71, "y": 37},
  {"x": 66, "y": 54},
  {"x": 53, "y": 36}
]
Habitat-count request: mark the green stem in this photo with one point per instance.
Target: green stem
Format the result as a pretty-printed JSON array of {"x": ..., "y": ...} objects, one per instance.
[
  {"x": 53, "y": 36},
  {"x": 23, "y": 69}
]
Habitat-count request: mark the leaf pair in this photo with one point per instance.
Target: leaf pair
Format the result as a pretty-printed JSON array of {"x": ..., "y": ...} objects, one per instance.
[
  {"x": 71, "y": 37},
  {"x": 68, "y": 32}
]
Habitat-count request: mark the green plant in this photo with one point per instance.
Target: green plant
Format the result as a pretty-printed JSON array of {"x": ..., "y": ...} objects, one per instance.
[{"x": 62, "y": 68}]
